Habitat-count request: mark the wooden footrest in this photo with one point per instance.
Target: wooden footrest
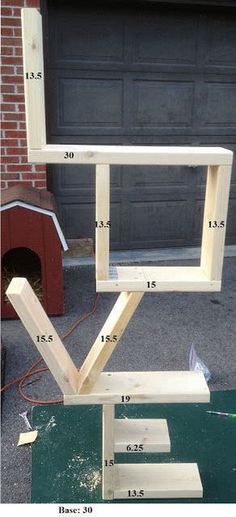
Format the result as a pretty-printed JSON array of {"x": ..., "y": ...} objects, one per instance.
[
  {"x": 141, "y": 435},
  {"x": 144, "y": 387},
  {"x": 153, "y": 481}
]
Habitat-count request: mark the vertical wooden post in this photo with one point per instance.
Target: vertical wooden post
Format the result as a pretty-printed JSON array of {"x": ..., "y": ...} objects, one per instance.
[
  {"x": 214, "y": 221},
  {"x": 33, "y": 77},
  {"x": 43, "y": 334},
  {"x": 102, "y": 221},
  {"x": 108, "y": 413}
]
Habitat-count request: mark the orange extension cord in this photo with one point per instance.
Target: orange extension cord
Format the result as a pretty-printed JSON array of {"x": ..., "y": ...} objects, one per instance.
[{"x": 21, "y": 379}]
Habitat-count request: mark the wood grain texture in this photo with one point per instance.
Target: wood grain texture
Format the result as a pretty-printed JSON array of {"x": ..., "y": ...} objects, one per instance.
[
  {"x": 144, "y": 388},
  {"x": 36, "y": 322},
  {"x": 108, "y": 415},
  {"x": 133, "y": 155},
  {"x": 31, "y": 21},
  {"x": 102, "y": 217},
  {"x": 215, "y": 210},
  {"x": 136, "y": 278},
  {"x": 167, "y": 480},
  {"x": 151, "y": 433},
  {"x": 101, "y": 350}
]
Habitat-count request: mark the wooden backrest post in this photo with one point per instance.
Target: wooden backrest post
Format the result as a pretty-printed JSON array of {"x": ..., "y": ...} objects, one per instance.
[{"x": 33, "y": 77}]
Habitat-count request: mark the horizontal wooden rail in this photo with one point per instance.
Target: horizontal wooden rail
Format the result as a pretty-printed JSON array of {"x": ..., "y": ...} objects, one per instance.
[
  {"x": 131, "y": 155},
  {"x": 145, "y": 388},
  {"x": 151, "y": 279}
]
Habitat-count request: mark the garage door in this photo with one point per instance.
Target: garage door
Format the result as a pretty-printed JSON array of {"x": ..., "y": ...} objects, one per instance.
[{"x": 144, "y": 74}]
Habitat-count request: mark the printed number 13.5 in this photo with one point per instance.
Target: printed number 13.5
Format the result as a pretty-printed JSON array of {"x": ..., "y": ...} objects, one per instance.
[
  {"x": 215, "y": 224},
  {"x": 32, "y": 75}
]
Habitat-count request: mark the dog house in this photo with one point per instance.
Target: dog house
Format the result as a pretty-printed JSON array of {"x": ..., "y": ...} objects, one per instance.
[{"x": 32, "y": 242}]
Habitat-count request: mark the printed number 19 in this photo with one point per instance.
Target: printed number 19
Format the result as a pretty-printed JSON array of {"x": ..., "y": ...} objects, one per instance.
[{"x": 125, "y": 398}]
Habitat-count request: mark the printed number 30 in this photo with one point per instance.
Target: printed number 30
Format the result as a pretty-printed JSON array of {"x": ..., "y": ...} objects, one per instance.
[{"x": 69, "y": 154}]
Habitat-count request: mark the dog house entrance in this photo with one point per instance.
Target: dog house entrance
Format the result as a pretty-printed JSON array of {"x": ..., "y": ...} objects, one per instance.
[{"x": 22, "y": 262}]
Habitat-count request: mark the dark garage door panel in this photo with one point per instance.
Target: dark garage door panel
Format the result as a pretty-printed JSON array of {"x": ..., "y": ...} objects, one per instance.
[{"x": 156, "y": 75}]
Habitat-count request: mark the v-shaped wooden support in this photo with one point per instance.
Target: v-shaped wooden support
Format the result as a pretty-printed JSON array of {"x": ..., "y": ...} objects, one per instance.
[
  {"x": 48, "y": 343},
  {"x": 91, "y": 385}
]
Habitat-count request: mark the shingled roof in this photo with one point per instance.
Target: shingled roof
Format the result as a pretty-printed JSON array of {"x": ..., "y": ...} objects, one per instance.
[
  {"x": 30, "y": 195},
  {"x": 34, "y": 199}
]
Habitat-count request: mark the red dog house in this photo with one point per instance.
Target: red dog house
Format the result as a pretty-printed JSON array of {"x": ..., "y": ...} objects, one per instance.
[{"x": 32, "y": 241}]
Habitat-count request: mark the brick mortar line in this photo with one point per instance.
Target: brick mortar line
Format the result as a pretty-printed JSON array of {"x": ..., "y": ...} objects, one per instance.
[
  {"x": 12, "y": 112},
  {"x": 14, "y": 66}
]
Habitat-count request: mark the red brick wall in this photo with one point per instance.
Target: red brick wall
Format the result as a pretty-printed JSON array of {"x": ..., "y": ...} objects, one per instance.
[{"x": 15, "y": 168}]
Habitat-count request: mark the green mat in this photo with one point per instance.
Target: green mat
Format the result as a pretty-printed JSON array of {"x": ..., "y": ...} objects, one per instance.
[{"x": 66, "y": 457}]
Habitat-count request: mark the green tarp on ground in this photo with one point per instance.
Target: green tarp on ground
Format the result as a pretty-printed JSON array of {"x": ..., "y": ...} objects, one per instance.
[{"x": 66, "y": 457}]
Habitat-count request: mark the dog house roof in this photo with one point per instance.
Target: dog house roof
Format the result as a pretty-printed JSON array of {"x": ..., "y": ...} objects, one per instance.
[
  {"x": 31, "y": 198},
  {"x": 29, "y": 195}
]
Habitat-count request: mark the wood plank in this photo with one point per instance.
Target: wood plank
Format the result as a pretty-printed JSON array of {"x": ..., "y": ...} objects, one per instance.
[
  {"x": 33, "y": 85},
  {"x": 215, "y": 211},
  {"x": 141, "y": 435},
  {"x": 164, "y": 480},
  {"x": 133, "y": 155},
  {"x": 103, "y": 347},
  {"x": 102, "y": 219},
  {"x": 108, "y": 416},
  {"x": 145, "y": 387},
  {"x": 141, "y": 278},
  {"x": 122, "y": 273},
  {"x": 37, "y": 324}
]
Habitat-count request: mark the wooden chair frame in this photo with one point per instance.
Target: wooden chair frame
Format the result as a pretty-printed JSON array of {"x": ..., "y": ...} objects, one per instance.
[
  {"x": 91, "y": 385},
  {"x": 206, "y": 277}
]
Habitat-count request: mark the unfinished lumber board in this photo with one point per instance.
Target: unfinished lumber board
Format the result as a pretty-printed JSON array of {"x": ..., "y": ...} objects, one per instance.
[
  {"x": 43, "y": 334},
  {"x": 153, "y": 481},
  {"x": 108, "y": 416},
  {"x": 33, "y": 77},
  {"x": 137, "y": 435},
  {"x": 107, "y": 340},
  {"x": 151, "y": 279},
  {"x": 144, "y": 387},
  {"x": 132, "y": 155},
  {"x": 102, "y": 221},
  {"x": 214, "y": 221}
]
